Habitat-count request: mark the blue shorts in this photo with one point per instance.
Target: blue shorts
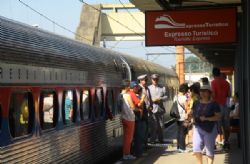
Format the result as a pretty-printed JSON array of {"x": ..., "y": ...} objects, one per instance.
[{"x": 203, "y": 139}]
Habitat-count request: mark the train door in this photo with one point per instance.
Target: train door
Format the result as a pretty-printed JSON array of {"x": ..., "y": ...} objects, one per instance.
[{"x": 0, "y": 117}]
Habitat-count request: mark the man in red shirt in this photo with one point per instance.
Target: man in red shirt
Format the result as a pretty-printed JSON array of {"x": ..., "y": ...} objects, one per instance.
[
  {"x": 221, "y": 91},
  {"x": 134, "y": 93},
  {"x": 138, "y": 100}
]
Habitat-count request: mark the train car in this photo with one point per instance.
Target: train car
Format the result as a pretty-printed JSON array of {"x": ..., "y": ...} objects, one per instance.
[{"x": 58, "y": 96}]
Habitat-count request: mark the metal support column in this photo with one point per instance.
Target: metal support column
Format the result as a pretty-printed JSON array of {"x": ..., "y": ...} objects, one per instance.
[
  {"x": 180, "y": 65},
  {"x": 245, "y": 82}
]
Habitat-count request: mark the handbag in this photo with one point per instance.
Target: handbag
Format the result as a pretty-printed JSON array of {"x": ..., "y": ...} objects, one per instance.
[
  {"x": 158, "y": 109},
  {"x": 174, "y": 112}
]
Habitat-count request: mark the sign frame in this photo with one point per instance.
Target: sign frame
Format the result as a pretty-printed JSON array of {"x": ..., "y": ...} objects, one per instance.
[{"x": 179, "y": 25}]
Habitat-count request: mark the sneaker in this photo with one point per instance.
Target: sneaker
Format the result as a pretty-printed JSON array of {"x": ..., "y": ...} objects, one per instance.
[
  {"x": 219, "y": 142},
  {"x": 182, "y": 151},
  {"x": 128, "y": 157},
  {"x": 189, "y": 146}
]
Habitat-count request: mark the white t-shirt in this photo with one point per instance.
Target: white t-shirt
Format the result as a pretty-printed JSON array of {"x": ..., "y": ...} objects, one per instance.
[
  {"x": 235, "y": 113},
  {"x": 181, "y": 103},
  {"x": 127, "y": 113}
]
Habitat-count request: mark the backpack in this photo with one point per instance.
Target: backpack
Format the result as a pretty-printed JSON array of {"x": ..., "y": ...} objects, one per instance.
[{"x": 174, "y": 112}]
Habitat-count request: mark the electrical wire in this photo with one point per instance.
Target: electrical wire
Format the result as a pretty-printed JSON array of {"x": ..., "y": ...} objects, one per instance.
[
  {"x": 169, "y": 49},
  {"x": 125, "y": 48},
  {"x": 155, "y": 58},
  {"x": 55, "y": 23},
  {"x": 132, "y": 15},
  {"x": 117, "y": 42},
  {"x": 66, "y": 29},
  {"x": 136, "y": 22},
  {"x": 113, "y": 19}
]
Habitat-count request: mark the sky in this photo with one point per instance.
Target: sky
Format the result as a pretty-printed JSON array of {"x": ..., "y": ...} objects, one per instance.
[{"x": 67, "y": 13}]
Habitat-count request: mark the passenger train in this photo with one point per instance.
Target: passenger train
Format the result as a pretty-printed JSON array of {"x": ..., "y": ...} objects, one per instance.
[{"x": 58, "y": 96}]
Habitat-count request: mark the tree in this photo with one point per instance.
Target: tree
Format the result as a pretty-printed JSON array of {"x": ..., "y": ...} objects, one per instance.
[{"x": 194, "y": 64}]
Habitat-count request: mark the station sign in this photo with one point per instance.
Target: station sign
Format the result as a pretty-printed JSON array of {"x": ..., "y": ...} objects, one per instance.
[{"x": 189, "y": 27}]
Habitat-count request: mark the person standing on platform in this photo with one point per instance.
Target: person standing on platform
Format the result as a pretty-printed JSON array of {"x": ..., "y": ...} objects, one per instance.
[
  {"x": 182, "y": 129},
  {"x": 194, "y": 96},
  {"x": 128, "y": 119},
  {"x": 235, "y": 111},
  {"x": 156, "y": 123},
  {"x": 139, "y": 135},
  {"x": 206, "y": 114},
  {"x": 147, "y": 105},
  {"x": 221, "y": 91},
  {"x": 204, "y": 81}
]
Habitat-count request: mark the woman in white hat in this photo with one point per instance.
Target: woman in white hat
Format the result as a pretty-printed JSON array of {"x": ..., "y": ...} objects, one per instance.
[{"x": 205, "y": 113}]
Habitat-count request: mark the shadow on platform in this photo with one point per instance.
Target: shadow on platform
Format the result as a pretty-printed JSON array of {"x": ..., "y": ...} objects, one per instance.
[{"x": 160, "y": 154}]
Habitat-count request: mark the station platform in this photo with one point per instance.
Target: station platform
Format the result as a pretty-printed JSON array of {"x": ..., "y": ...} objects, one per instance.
[{"x": 166, "y": 153}]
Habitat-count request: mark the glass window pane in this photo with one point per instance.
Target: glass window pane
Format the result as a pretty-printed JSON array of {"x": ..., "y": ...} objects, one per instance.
[
  {"x": 47, "y": 110},
  {"x": 98, "y": 105},
  {"x": 110, "y": 101},
  {"x": 68, "y": 107},
  {"x": 20, "y": 120},
  {"x": 85, "y": 105},
  {"x": 118, "y": 102}
]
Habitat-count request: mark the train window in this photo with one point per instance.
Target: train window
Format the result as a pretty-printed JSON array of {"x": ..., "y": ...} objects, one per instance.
[
  {"x": 110, "y": 101},
  {"x": 133, "y": 74},
  {"x": 98, "y": 103},
  {"x": 69, "y": 106},
  {"x": 21, "y": 114},
  {"x": 168, "y": 90},
  {"x": 48, "y": 109},
  {"x": 118, "y": 102},
  {"x": 124, "y": 71},
  {"x": 85, "y": 105},
  {"x": 172, "y": 93}
]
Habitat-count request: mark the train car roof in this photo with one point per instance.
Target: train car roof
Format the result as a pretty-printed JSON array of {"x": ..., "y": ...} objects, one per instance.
[{"x": 19, "y": 38}]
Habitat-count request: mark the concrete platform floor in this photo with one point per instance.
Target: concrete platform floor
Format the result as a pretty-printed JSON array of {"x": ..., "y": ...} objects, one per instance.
[{"x": 161, "y": 154}]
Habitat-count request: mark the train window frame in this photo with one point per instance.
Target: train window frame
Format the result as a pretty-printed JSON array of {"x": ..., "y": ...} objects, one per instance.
[
  {"x": 31, "y": 113},
  {"x": 74, "y": 107},
  {"x": 55, "y": 109},
  {"x": 112, "y": 110},
  {"x": 89, "y": 105},
  {"x": 99, "y": 113}
]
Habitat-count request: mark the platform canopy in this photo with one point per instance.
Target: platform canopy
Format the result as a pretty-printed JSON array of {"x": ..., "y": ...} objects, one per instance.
[{"x": 221, "y": 55}]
